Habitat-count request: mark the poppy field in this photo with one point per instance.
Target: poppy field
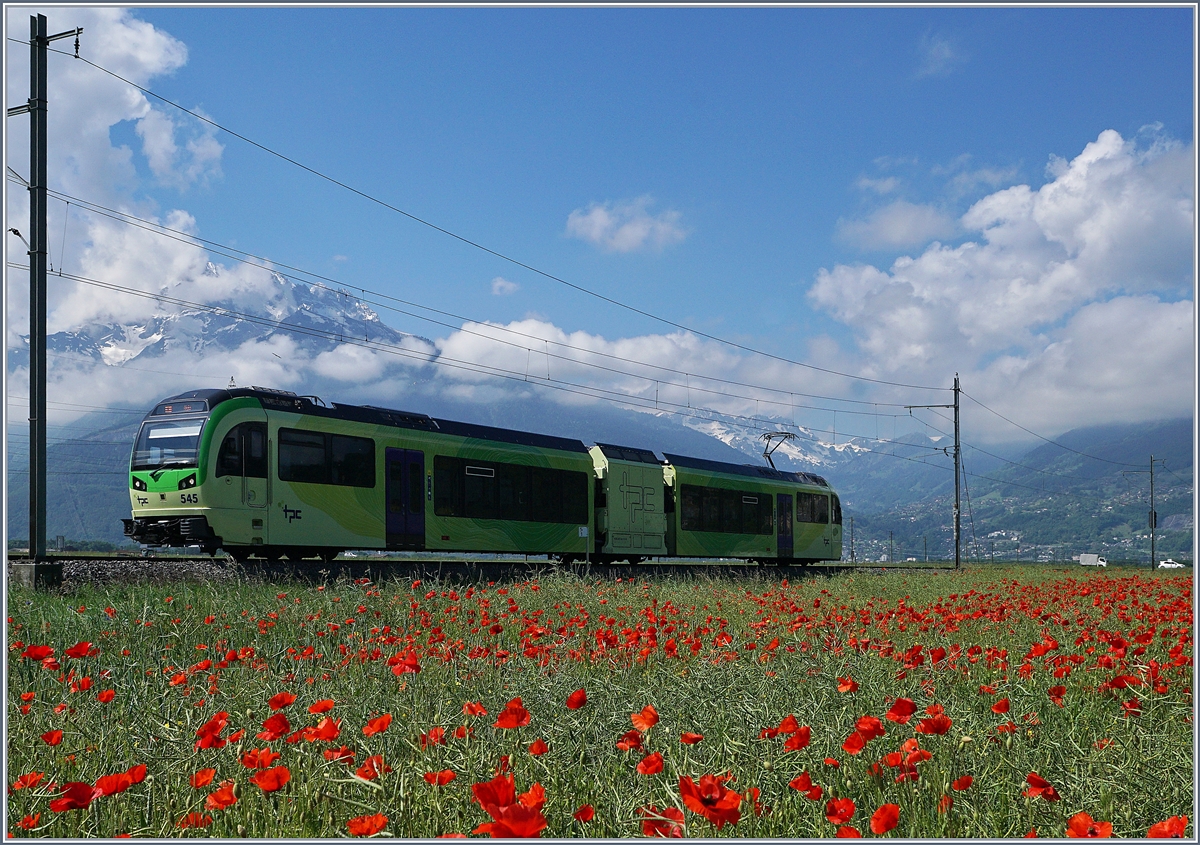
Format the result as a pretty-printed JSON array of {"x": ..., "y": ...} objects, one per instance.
[{"x": 992, "y": 702}]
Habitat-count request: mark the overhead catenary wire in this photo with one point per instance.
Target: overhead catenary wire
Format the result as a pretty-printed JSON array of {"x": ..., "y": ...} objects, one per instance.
[
  {"x": 625, "y": 398},
  {"x": 343, "y": 290},
  {"x": 1046, "y": 439},
  {"x": 496, "y": 253}
]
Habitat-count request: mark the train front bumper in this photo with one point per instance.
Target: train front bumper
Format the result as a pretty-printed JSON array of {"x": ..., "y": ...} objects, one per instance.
[{"x": 172, "y": 531}]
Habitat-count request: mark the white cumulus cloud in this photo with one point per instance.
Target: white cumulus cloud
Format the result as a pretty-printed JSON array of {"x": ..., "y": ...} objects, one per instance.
[
  {"x": 626, "y": 226},
  {"x": 1071, "y": 304},
  {"x": 503, "y": 287},
  {"x": 897, "y": 225}
]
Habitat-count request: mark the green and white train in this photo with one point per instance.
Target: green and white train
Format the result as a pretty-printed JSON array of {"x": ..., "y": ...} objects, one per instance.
[{"x": 270, "y": 474}]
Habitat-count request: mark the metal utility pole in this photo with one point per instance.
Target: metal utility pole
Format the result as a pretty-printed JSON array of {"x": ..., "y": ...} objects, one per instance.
[
  {"x": 957, "y": 465},
  {"x": 891, "y": 549},
  {"x": 925, "y": 540},
  {"x": 1153, "y": 516},
  {"x": 38, "y": 571},
  {"x": 852, "y": 539}
]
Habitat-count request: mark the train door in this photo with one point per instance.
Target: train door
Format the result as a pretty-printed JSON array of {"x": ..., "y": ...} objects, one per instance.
[
  {"x": 254, "y": 457},
  {"x": 405, "y": 473},
  {"x": 784, "y": 508}
]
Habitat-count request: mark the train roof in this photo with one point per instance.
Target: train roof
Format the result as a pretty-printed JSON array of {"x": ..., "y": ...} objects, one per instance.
[
  {"x": 285, "y": 400},
  {"x": 628, "y": 453},
  {"x": 749, "y": 470}
]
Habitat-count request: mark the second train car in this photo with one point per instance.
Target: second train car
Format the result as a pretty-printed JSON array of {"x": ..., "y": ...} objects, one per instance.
[{"x": 270, "y": 474}]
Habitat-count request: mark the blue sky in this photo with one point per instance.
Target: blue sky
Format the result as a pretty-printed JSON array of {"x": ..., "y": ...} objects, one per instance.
[{"x": 803, "y": 180}]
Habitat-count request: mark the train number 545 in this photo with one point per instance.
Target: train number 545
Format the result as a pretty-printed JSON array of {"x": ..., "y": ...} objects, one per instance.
[{"x": 189, "y": 498}]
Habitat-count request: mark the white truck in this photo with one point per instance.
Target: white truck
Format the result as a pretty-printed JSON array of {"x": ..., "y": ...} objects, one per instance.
[{"x": 1092, "y": 560}]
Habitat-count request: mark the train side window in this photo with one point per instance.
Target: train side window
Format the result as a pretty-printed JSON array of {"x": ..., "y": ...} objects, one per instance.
[
  {"x": 353, "y": 461},
  {"x": 731, "y": 512},
  {"x": 822, "y": 508},
  {"x": 302, "y": 456},
  {"x": 447, "y": 492},
  {"x": 479, "y": 492},
  {"x": 689, "y": 517},
  {"x": 574, "y": 496},
  {"x": 837, "y": 510},
  {"x": 395, "y": 477},
  {"x": 416, "y": 498},
  {"x": 229, "y": 456},
  {"x": 668, "y": 499}
]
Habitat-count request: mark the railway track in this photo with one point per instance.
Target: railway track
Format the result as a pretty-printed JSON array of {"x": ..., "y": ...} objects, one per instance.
[{"x": 80, "y": 570}]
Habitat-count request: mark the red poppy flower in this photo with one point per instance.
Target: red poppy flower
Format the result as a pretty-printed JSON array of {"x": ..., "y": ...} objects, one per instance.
[
  {"x": 29, "y": 822},
  {"x": 514, "y": 821},
  {"x": 210, "y": 731},
  {"x": 338, "y": 755},
  {"x": 804, "y": 785},
  {"x": 538, "y": 747},
  {"x": 652, "y": 764},
  {"x": 1001, "y": 706},
  {"x": 1083, "y": 826},
  {"x": 799, "y": 739},
  {"x": 271, "y": 780},
  {"x": 474, "y": 708},
  {"x": 1056, "y": 694},
  {"x": 630, "y": 741},
  {"x": 280, "y": 700},
  {"x": 137, "y": 773},
  {"x": 788, "y": 725},
  {"x": 937, "y": 725},
  {"x": 499, "y": 791},
  {"x": 585, "y": 813},
  {"x": 576, "y": 699},
  {"x": 53, "y": 737},
  {"x": 885, "y": 818},
  {"x": 377, "y": 725},
  {"x": 440, "y": 778},
  {"x": 1133, "y": 707},
  {"x": 274, "y": 727},
  {"x": 222, "y": 797},
  {"x": 869, "y": 727},
  {"x": 667, "y": 823},
  {"x": 72, "y": 796},
  {"x": 111, "y": 784},
  {"x": 193, "y": 820},
  {"x": 322, "y": 706},
  {"x": 105, "y": 696},
  {"x": 26, "y": 781},
  {"x": 327, "y": 731},
  {"x": 945, "y": 803},
  {"x": 690, "y": 738},
  {"x": 902, "y": 710},
  {"x": 259, "y": 758},
  {"x": 847, "y": 684},
  {"x": 848, "y": 832},
  {"x": 514, "y": 715},
  {"x": 839, "y": 810},
  {"x": 202, "y": 778},
  {"x": 962, "y": 783},
  {"x": 436, "y": 736},
  {"x": 373, "y": 767},
  {"x": 646, "y": 719},
  {"x": 1172, "y": 828},
  {"x": 1039, "y": 786},
  {"x": 367, "y": 825},
  {"x": 37, "y": 652},
  {"x": 854, "y": 743},
  {"x": 711, "y": 799}
]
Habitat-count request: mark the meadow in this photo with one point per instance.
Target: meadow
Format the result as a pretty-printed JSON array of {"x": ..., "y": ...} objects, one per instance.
[{"x": 991, "y": 702}]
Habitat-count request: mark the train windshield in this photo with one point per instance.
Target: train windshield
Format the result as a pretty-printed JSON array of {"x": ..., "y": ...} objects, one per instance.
[{"x": 166, "y": 444}]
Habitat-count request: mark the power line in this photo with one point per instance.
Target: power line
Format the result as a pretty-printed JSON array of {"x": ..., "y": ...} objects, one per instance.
[
  {"x": 271, "y": 265},
  {"x": 1047, "y": 439},
  {"x": 623, "y": 398},
  {"x": 488, "y": 250}
]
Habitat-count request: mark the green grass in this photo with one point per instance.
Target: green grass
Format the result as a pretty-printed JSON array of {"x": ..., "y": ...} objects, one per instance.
[{"x": 727, "y": 692}]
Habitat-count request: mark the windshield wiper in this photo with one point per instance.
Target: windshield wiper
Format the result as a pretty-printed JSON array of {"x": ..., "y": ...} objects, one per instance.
[{"x": 164, "y": 464}]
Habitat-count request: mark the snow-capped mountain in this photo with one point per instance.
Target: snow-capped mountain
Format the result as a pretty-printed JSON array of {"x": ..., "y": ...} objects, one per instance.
[{"x": 315, "y": 318}]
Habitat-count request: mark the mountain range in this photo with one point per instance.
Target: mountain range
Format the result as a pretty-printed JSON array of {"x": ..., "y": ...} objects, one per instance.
[{"x": 1046, "y": 502}]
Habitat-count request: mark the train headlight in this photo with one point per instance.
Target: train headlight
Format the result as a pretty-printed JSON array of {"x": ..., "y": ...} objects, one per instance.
[
  {"x": 138, "y": 484},
  {"x": 190, "y": 481}
]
